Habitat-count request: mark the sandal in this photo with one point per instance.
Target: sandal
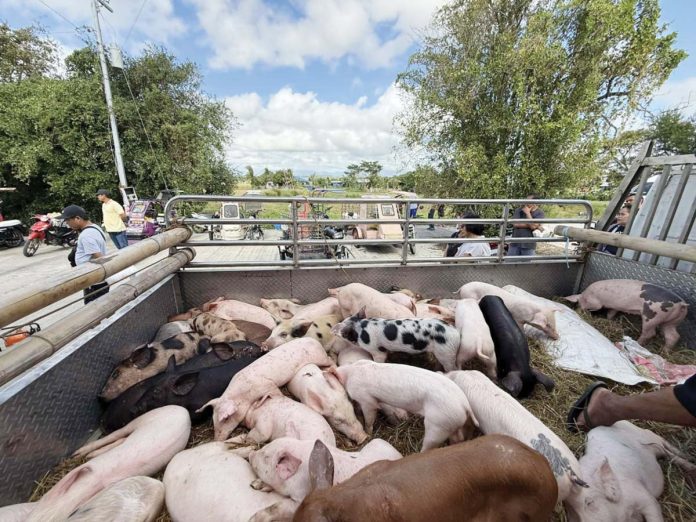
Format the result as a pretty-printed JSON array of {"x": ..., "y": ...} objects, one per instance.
[{"x": 580, "y": 407}]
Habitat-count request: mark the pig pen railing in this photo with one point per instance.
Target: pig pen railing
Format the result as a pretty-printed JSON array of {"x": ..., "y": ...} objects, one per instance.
[{"x": 302, "y": 248}]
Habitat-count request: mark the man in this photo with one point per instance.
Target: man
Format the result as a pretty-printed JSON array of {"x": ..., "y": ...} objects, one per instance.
[
  {"x": 91, "y": 245},
  {"x": 528, "y": 211},
  {"x": 114, "y": 217}
]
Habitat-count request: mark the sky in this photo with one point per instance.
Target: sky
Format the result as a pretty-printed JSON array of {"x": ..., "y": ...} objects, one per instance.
[{"x": 311, "y": 82}]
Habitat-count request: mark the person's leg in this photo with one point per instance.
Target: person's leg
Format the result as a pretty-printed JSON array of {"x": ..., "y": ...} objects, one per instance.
[
  {"x": 670, "y": 405},
  {"x": 514, "y": 250},
  {"x": 122, "y": 240},
  {"x": 527, "y": 251}
]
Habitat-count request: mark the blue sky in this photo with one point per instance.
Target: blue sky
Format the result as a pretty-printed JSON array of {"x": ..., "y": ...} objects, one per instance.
[{"x": 310, "y": 81}]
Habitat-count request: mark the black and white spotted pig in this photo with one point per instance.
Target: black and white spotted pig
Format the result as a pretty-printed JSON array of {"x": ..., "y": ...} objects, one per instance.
[
  {"x": 379, "y": 336},
  {"x": 151, "y": 359},
  {"x": 318, "y": 328},
  {"x": 657, "y": 306}
]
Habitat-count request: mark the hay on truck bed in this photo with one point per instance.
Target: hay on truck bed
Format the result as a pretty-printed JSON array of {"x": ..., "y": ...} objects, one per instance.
[{"x": 678, "y": 501}]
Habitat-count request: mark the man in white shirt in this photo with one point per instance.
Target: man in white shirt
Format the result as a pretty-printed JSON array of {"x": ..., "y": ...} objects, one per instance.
[
  {"x": 114, "y": 217},
  {"x": 473, "y": 231}
]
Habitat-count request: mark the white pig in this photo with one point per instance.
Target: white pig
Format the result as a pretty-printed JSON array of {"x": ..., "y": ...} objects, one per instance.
[
  {"x": 354, "y": 296},
  {"x": 430, "y": 311},
  {"x": 210, "y": 482},
  {"x": 474, "y": 336},
  {"x": 525, "y": 311},
  {"x": 443, "y": 405},
  {"x": 16, "y": 512},
  {"x": 283, "y": 463},
  {"x": 135, "y": 499},
  {"x": 273, "y": 417},
  {"x": 142, "y": 447},
  {"x": 350, "y": 355},
  {"x": 233, "y": 310},
  {"x": 620, "y": 464},
  {"x": 404, "y": 300},
  {"x": 322, "y": 392},
  {"x": 261, "y": 378},
  {"x": 498, "y": 412},
  {"x": 283, "y": 309}
]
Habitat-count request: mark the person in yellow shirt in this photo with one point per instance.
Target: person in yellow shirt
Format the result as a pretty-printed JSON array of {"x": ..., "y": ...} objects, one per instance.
[{"x": 114, "y": 218}]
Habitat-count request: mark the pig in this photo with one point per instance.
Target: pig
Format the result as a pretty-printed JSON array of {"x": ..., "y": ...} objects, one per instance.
[
  {"x": 491, "y": 478},
  {"x": 379, "y": 336},
  {"x": 474, "y": 336},
  {"x": 149, "y": 360},
  {"x": 210, "y": 482},
  {"x": 282, "y": 465},
  {"x": 413, "y": 295},
  {"x": 135, "y": 499},
  {"x": 261, "y": 378},
  {"x": 16, "y": 512},
  {"x": 354, "y": 296},
  {"x": 322, "y": 392},
  {"x": 525, "y": 311},
  {"x": 237, "y": 310},
  {"x": 288, "y": 329},
  {"x": 275, "y": 416},
  {"x": 429, "y": 311},
  {"x": 171, "y": 329},
  {"x": 450, "y": 304},
  {"x": 620, "y": 463},
  {"x": 180, "y": 385},
  {"x": 184, "y": 316},
  {"x": 498, "y": 413},
  {"x": 283, "y": 309},
  {"x": 431, "y": 395},
  {"x": 219, "y": 330},
  {"x": 656, "y": 305},
  {"x": 350, "y": 355},
  {"x": 143, "y": 447},
  {"x": 403, "y": 300},
  {"x": 511, "y": 350}
]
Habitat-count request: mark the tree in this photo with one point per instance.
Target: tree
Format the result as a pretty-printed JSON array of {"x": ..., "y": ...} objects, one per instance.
[
  {"x": 55, "y": 142},
  {"x": 673, "y": 134},
  {"x": 510, "y": 97},
  {"x": 25, "y": 53}
]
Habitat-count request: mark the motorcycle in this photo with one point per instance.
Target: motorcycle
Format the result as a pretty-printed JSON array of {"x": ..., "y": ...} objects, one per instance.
[
  {"x": 11, "y": 231},
  {"x": 50, "y": 231},
  {"x": 254, "y": 232},
  {"x": 210, "y": 229}
]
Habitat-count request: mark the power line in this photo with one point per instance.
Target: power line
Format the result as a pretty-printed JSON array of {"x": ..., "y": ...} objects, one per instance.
[
  {"x": 134, "y": 22},
  {"x": 59, "y": 14}
]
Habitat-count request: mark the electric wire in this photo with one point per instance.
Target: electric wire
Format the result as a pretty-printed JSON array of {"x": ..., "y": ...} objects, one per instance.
[
  {"x": 134, "y": 22},
  {"x": 59, "y": 14}
]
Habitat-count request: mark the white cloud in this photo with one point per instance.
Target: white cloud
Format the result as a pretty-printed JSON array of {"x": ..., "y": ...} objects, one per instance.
[
  {"x": 677, "y": 94},
  {"x": 243, "y": 33},
  {"x": 299, "y": 131}
]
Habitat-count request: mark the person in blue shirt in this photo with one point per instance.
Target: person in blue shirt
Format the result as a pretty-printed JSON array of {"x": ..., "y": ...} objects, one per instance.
[{"x": 91, "y": 245}]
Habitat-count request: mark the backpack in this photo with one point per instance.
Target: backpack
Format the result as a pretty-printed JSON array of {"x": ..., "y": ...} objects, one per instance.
[{"x": 73, "y": 250}]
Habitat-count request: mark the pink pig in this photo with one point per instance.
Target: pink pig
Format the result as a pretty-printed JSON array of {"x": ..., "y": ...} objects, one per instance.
[
  {"x": 261, "y": 378},
  {"x": 474, "y": 336},
  {"x": 354, "y": 296},
  {"x": 283, "y": 309},
  {"x": 237, "y": 310},
  {"x": 657, "y": 306}
]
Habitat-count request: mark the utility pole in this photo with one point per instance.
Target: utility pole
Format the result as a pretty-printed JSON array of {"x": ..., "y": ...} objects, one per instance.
[{"x": 122, "y": 183}]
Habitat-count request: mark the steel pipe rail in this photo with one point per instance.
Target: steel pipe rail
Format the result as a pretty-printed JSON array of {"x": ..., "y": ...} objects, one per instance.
[
  {"x": 49, "y": 291},
  {"x": 41, "y": 345}
]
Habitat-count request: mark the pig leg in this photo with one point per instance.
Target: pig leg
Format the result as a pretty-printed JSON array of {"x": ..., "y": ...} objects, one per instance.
[
  {"x": 282, "y": 510},
  {"x": 650, "y": 509},
  {"x": 491, "y": 368},
  {"x": 393, "y": 415},
  {"x": 379, "y": 357},
  {"x": 105, "y": 441},
  {"x": 671, "y": 336},
  {"x": 369, "y": 411},
  {"x": 612, "y": 313},
  {"x": 104, "y": 449},
  {"x": 649, "y": 331},
  {"x": 260, "y": 485},
  {"x": 446, "y": 359},
  {"x": 434, "y": 436}
]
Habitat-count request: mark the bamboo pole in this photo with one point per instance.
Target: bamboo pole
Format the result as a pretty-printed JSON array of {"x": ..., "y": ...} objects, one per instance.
[
  {"x": 41, "y": 345},
  {"x": 641, "y": 244},
  {"x": 51, "y": 290}
]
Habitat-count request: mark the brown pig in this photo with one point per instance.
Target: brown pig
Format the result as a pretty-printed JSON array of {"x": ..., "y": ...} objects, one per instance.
[
  {"x": 289, "y": 329},
  {"x": 494, "y": 477},
  {"x": 219, "y": 330}
]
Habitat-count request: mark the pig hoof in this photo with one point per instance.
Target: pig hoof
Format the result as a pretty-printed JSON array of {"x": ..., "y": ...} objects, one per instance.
[{"x": 260, "y": 485}]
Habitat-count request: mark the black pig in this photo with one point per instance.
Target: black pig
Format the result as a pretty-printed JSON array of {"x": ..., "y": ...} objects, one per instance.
[{"x": 511, "y": 350}]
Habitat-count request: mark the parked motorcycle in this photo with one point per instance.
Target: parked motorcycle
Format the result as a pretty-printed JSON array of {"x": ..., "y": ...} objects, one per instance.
[
  {"x": 254, "y": 231},
  {"x": 50, "y": 231},
  {"x": 11, "y": 231}
]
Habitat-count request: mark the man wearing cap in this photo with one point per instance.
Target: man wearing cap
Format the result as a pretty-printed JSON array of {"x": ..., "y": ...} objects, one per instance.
[
  {"x": 91, "y": 244},
  {"x": 114, "y": 217}
]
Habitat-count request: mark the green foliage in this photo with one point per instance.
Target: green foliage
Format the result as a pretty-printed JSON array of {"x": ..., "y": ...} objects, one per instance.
[
  {"x": 365, "y": 173},
  {"x": 25, "y": 53},
  {"x": 672, "y": 133},
  {"x": 510, "y": 97},
  {"x": 55, "y": 141}
]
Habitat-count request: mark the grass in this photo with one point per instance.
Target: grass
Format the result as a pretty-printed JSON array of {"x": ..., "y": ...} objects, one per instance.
[{"x": 678, "y": 501}]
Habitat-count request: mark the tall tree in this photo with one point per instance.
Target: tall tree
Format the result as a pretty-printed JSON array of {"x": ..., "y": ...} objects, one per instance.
[
  {"x": 25, "y": 53},
  {"x": 512, "y": 96},
  {"x": 673, "y": 134}
]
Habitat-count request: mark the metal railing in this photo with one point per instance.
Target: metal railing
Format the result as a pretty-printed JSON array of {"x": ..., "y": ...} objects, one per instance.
[{"x": 301, "y": 248}]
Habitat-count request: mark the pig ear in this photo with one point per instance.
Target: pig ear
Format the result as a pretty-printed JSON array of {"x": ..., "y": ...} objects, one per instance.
[
  {"x": 333, "y": 292},
  {"x": 67, "y": 482},
  {"x": 512, "y": 383},
  {"x": 184, "y": 384},
  {"x": 291, "y": 430},
  {"x": 361, "y": 313},
  {"x": 287, "y": 465},
  {"x": 259, "y": 402},
  {"x": 300, "y": 329},
  {"x": 142, "y": 357},
  {"x": 610, "y": 484},
  {"x": 225, "y": 409},
  {"x": 171, "y": 364},
  {"x": 332, "y": 378},
  {"x": 572, "y": 298},
  {"x": 332, "y": 370},
  {"x": 321, "y": 467},
  {"x": 315, "y": 401},
  {"x": 203, "y": 345},
  {"x": 212, "y": 403}
]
